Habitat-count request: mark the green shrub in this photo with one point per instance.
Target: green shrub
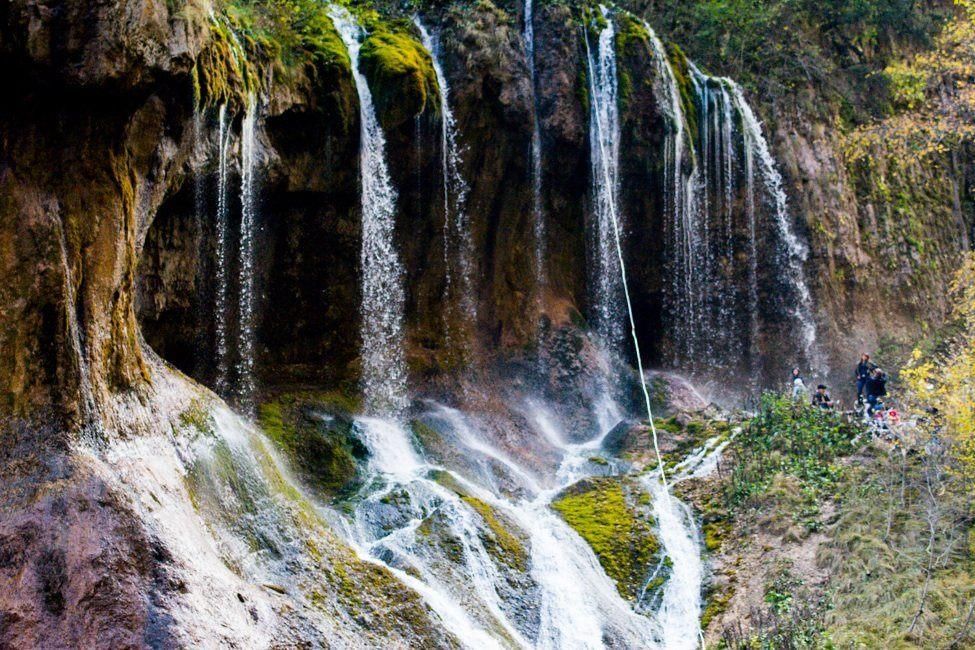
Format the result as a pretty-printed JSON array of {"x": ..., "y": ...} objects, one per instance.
[{"x": 789, "y": 438}]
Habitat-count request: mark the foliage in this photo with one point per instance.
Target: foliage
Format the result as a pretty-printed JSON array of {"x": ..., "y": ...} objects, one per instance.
[
  {"x": 779, "y": 46},
  {"x": 788, "y": 438},
  {"x": 620, "y": 537},
  {"x": 901, "y": 575},
  {"x": 935, "y": 93},
  {"x": 944, "y": 381}
]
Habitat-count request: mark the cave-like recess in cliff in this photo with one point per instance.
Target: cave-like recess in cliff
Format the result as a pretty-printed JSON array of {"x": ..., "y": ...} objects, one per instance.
[{"x": 305, "y": 271}]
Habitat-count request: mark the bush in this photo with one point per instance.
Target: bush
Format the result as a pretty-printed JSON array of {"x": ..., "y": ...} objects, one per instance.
[{"x": 790, "y": 438}]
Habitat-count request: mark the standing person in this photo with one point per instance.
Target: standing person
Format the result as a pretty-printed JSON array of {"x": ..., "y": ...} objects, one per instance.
[
  {"x": 862, "y": 374},
  {"x": 876, "y": 388},
  {"x": 798, "y": 385}
]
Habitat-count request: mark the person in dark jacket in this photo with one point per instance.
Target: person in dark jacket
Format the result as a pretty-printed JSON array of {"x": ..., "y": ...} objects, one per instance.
[
  {"x": 876, "y": 388},
  {"x": 862, "y": 374},
  {"x": 821, "y": 398}
]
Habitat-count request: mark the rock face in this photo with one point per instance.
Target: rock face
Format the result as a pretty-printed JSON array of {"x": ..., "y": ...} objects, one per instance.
[{"x": 108, "y": 185}]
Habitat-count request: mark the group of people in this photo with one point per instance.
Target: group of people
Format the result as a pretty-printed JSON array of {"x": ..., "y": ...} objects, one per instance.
[{"x": 871, "y": 384}]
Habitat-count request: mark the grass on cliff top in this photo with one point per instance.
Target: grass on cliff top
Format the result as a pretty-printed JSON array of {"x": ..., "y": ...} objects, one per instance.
[{"x": 598, "y": 510}]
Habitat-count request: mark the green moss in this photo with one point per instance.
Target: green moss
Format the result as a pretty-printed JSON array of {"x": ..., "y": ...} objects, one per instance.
[
  {"x": 670, "y": 425},
  {"x": 715, "y": 532},
  {"x": 197, "y": 416},
  {"x": 632, "y": 39},
  {"x": 688, "y": 98},
  {"x": 502, "y": 543},
  {"x": 447, "y": 480},
  {"x": 324, "y": 451},
  {"x": 400, "y": 73},
  {"x": 717, "y": 604},
  {"x": 597, "y": 509}
]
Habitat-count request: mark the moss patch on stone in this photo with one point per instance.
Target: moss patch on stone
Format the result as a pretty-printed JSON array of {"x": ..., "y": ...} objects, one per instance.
[
  {"x": 314, "y": 430},
  {"x": 502, "y": 543},
  {"x": 620, "y": 536},
  {"x": 502, "y": 538},
  {"x": 688, "y": 97},
  {"x": 400, "y": 72}
]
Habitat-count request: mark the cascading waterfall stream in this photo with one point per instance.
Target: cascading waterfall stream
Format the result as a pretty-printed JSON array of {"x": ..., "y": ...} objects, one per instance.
[
  {"x": 707, "y": 233},
  {"x": 246, "y": 289},
  {"x": 383, "y": 295},
  {"x": 458, "y": 240},
  {"x": 796, "y": 251},
  {"x": 222, "y": 272},
  {"x": 686, "y": 236},
  {"x": 606, "y": 277},
  {"x": 680, "y": 611},
  {"x": 538, "y": 215},
  {"x": 604, "y": 127}
]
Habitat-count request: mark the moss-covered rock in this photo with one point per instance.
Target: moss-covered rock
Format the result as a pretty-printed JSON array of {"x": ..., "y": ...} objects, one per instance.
[
  {"x": 400, "y": 73},
  {"x": 604, "y": 513},
  {"x": 501, "y": 537},
  {"x": 632, "y": 39},
  {"x": 688, "y": 97},
  {"x": 315, "y": 431}
]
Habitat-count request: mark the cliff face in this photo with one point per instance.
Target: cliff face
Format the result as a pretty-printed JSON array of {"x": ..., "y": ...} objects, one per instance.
[{"x": 108, "y": 183}]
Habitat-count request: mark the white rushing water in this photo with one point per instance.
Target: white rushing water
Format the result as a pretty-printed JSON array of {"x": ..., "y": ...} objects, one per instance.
[
  {"x": 796, "y": 251},
  {"x": 458, "y": 240},
  {"x": 538, "y": 215},
  {"x": 246, "y": 287},
  {"x": 383, "y": 295},
  {"x": 221, "y": 262},
  {"x": 714, "y": 303},
  {"x": 604, "y": 136},
  {"x": 433, "y": 525}
]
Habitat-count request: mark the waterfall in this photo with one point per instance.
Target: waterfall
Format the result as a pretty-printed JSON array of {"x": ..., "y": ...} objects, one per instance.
[
  {"x": 383, "y": 296},
  {"x": 457, "y": 232},
  {"x": 536, "y": 153},
  {"x": 796, "y": 251},
  {"x": 222, "y": 272},
  {"x": 679, "y": 613},
  {"x": 246, "y": 298},
  {"x": 686, "y": 234},
  {"x": 707, "y": 233},
  {"x": 604, "y": 132}
]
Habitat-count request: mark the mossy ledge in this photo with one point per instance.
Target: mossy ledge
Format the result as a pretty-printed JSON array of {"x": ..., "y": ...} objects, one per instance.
[
  {"x": 682, "y": 73},
  {"x": 602, "y": 512},
  {"x": 249, "y": 38},
  {"x": 503, "y": 540},
  {"x": 400, "y": 72}
]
